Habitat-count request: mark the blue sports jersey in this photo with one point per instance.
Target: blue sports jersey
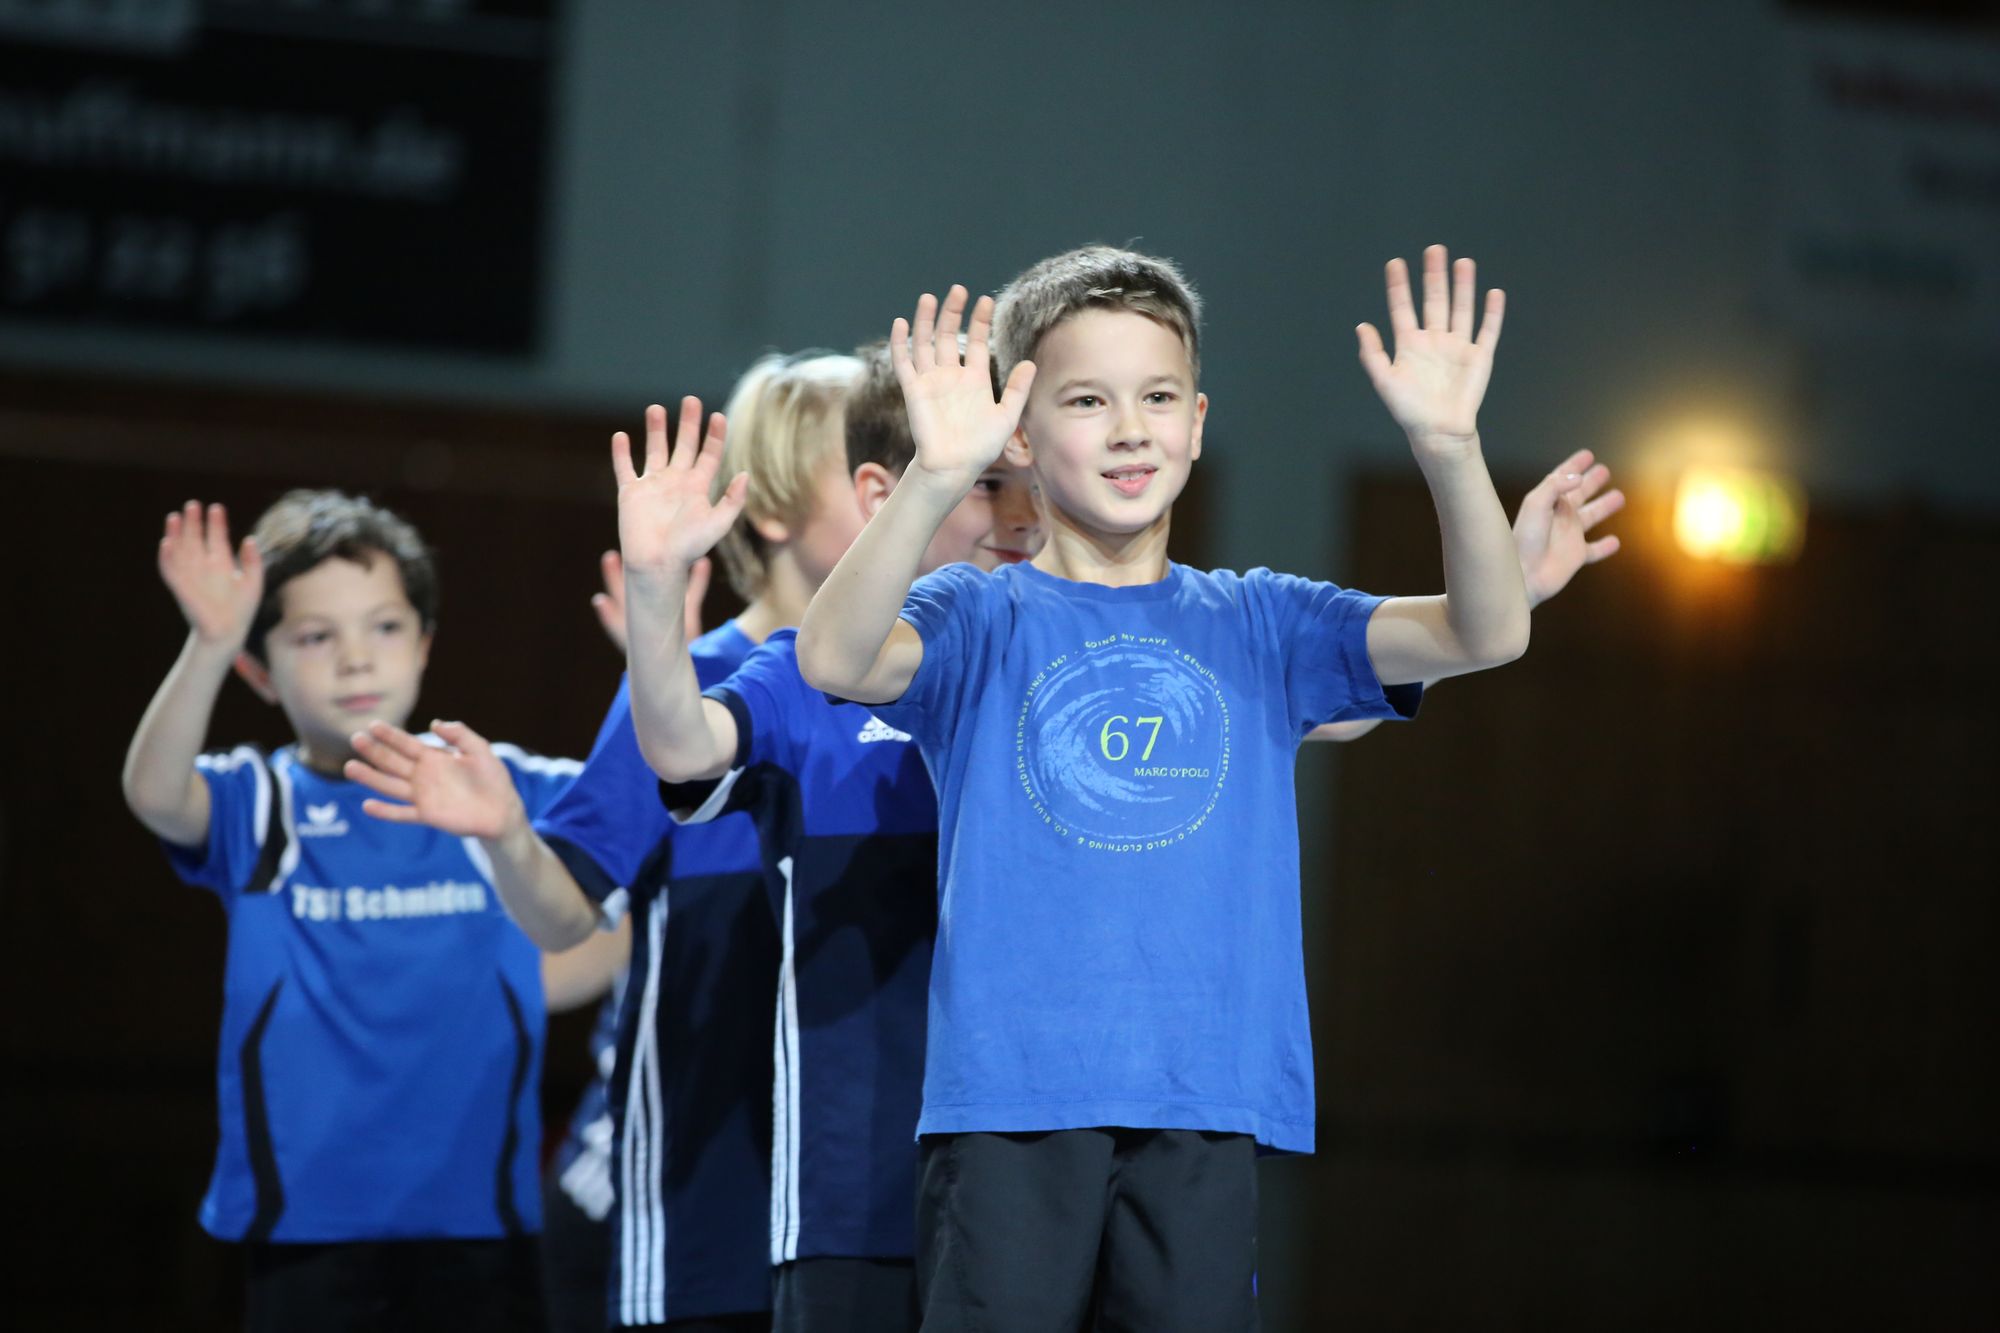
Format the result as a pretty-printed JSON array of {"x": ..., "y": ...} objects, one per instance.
[
  {"x": 1118, "y": 847},
  {"x": 849, "y": 822},
  {"x": 382, "y": 1017},
  {"x": 691, "y": 1090}
]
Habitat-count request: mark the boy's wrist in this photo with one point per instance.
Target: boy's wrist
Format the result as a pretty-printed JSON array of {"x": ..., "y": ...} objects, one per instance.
[
  {"x": 941, "y": 488},
  {"x": 663, "y": 582},
  {"x": 1444, "y": 445},
  {"x": 514, "y": 842},
  {"x": 220, "y": 652}
]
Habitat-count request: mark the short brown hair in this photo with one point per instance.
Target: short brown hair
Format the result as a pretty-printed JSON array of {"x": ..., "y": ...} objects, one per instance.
[
  {"x": 307, "y": 528},
  {"x": 783, "y": 416},
  {"x": 878, "y": 420},
  {"x": 1096, "y": 277}
]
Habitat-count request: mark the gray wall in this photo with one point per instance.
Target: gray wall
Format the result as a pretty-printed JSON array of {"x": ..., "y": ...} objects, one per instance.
[{"x": 734, "y": 177}]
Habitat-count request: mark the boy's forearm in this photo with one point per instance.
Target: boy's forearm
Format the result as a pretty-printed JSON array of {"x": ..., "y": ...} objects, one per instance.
[
  {"x": 574, "y": 977},
  {"x": 160, "y": 782},
  {"x": 667, "y": 714},
  {"x": 537, "y": 889},
  {"x": 1486, "y": 600},
  {"x": 850, "y": 617}
]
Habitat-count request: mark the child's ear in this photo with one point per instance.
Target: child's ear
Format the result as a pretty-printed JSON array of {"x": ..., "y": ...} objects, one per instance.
[
  {"x": 257, "y": 676},
  {"x": 1200, "y": 415},
  {"x": 872, "y": 484},
  {"x": 771, "y": 530},
  {"x": 1017, "y": 450},
  {"x": 424, "y": 649}
]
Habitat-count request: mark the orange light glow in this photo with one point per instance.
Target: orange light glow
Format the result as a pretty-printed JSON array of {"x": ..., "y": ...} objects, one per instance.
[{"x": 1738, "y": 516}]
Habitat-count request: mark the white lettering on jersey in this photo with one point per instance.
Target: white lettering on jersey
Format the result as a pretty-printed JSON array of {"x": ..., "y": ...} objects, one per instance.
[{"x": 388, "y": 903}]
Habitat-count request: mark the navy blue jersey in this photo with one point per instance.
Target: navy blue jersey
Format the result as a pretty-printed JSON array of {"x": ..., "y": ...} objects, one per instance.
[
  {"x": 848, "y": 820},
  {"x": 382, "y": 1017},
  {"x": 690, "y": 1094}
]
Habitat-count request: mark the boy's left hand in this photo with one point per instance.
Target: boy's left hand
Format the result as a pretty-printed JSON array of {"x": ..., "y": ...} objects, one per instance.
[
  {"x": 1437, "y": 379},
  {"x": 1552, "y": 530},
  {"x": 465, "y": 790},
  {"x": 666, "y": 520}
]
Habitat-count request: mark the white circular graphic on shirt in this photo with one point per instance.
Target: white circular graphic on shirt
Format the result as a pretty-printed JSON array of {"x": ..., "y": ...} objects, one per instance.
[{"x": 1123, "y": 746}]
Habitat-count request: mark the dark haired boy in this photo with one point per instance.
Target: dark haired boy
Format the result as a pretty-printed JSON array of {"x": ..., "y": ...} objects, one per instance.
[
  {"x": 1117, "y": 1012},
  {"x": 380, "y": 1055}
]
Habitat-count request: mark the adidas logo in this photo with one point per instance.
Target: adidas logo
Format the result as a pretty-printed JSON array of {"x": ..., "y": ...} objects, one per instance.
[
  {"x": 322, "y": 821},
  {"x": 878, "y": 730}
]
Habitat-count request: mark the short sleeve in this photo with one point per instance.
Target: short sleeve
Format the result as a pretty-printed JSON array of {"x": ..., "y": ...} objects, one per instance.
[
  {"x": 539, "y": 779},
  {"x": 239, "y": 819},
  {"x": 1322, "y": 630},
  {"x": 605, "y": 821},
  {"x": 765, "y": 696},
  {"x": 949, "y": 609}
]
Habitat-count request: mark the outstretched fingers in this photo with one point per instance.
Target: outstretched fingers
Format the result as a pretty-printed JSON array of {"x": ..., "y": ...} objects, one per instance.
[
  {"x": 978, "y": 333},
  {"x": 399, "y": 746},
  {"x": 458, "y": 736},
  {"x": 950, "y": 316},
  {"x": 1604, "y": 506},
  {"x": 1374, "y": 358},
  {"x": 1462, "y": 299},
  {"x": 1437, "y": 315},
  {"x": 375, "y": 780},
  {"x": 390, "y": 813},
  {"x": 1014, "y": 393},
  {"x": 1489, "y": 328},
  {"x": 1402, "y": 312},
  {"x": 710, "y": 457},
  {"x": 923, "y": 333}
]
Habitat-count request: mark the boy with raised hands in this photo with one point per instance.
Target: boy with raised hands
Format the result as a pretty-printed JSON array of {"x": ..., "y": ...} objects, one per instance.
[
  {"x": 1117, "y": 1011},
  {"x": 848, "y": 819},
  {"x": 691, "y": 1087},
  {"x": 382, "y": 1018}
]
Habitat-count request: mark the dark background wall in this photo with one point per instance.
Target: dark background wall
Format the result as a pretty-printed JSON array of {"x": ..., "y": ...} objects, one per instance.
[{"x": 1648, "y": 974}]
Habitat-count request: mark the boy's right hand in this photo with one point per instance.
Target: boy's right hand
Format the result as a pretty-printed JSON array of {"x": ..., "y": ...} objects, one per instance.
[
  {"x": 959, "y": 429},
  {"x": 463, "y": 790},
  {"x": 218, "y": 592},
  {"x": 665, "y": 519}
]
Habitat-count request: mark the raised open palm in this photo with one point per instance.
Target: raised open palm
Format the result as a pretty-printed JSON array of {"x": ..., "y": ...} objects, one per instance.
[
  {"x": 461, "y": 787},
  {"x": 1437, "y": 379},
  {"x": 218, "y": 589},
  {"x": 665, "y": 517},
  {"x": 959, "y": 429}
]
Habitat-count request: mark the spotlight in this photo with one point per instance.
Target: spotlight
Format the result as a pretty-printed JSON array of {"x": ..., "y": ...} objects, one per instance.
[{"x": 1739, "y": 516}]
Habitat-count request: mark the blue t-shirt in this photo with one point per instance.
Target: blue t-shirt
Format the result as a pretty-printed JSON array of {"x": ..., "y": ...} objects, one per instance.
[
  {"x": 381, "y": 1046},
  {"x": 690, "y": 1094},
  {"x": 1118, "y": 843},
  {"x": 849, "y": 822}
]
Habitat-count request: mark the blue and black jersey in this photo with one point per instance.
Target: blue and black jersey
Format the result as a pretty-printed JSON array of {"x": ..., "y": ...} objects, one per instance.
[
  {"x": 382, "y": 1017},
  {"x": 690, "y": 1094},
  {"x": 848, "y": 821}
]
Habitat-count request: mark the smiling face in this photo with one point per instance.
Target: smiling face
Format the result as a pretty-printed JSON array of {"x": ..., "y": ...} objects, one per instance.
[
  {"x": 348, "y": 649},
  {"x": 1113, "y": 424},
  {"x": 999, "y": 523}
]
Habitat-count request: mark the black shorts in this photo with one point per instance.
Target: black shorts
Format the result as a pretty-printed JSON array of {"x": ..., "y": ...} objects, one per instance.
[
  {"x": 827, "y": 1295},
  {"x": 1107, "y": 1229},
  {"x": 576, "y": 1263},
  {"x": 394, "y": 1286}
]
